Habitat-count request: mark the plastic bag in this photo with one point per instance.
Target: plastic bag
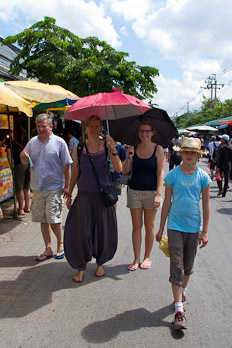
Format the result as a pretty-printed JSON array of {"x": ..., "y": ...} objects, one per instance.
[
  {"x": 163, "y": 245},
  {"x": 218, "y": 177}
]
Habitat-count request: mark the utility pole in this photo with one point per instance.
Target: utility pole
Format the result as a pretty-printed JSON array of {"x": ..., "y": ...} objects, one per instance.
[{"x": 212, "y": 84}]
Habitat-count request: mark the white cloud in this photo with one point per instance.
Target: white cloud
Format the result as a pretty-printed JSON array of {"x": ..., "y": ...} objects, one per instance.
[
  {"x": 180, "y": 36},
  {"x": 131, "y": 9},
  {"x": 82, "y": 18},
  {"x": 123, "y": 31}
]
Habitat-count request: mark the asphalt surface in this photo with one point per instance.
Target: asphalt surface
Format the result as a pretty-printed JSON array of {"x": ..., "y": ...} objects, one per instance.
[{"x": 40, "y": 305}]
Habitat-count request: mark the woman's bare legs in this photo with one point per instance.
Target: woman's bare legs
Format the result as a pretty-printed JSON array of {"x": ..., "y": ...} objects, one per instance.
[
  {"x": 137, "y": 223},
  {"x": 149, "y": 223}
]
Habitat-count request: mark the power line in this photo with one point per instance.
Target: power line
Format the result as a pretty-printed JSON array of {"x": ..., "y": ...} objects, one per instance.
[{"x": 212, "y": 84}]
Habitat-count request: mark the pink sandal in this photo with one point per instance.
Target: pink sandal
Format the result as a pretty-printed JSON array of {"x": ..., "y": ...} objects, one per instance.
[
  {"x": 146, "y": 264},
  {"x": 133, "y": 267}
]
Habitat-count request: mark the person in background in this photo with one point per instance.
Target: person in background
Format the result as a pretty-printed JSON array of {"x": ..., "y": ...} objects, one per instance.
[
  {"x": 21, "y": 177},
  {"x": 174, "y": 156},
  {"x": 183, "y": 187},
  {"x": 116, "y": 177},
  {"x": 224, "y": 163},
  {"x": 72, "y": 143},
  {"x": 50, "y": 178},
  {"x": 213, "y": 147},
  {"x": 166, "y": 153},
  {"x": 144, "y": 193}
]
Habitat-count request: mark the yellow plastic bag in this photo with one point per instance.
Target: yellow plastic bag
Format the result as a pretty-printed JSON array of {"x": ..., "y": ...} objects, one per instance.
[{"x": 163, "y": 245}]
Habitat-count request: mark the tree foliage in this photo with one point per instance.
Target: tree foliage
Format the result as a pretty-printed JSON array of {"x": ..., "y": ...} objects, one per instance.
[
  {"x": 85, "y": 66},
  {"x": 206, "y": 114}
]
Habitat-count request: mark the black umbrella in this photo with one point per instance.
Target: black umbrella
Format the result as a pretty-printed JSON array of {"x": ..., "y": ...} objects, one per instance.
[{"x": 125, "y": 130}]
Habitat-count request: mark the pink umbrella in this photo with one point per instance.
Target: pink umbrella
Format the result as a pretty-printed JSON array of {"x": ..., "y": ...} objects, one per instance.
[{"x": 108, "y": 106}]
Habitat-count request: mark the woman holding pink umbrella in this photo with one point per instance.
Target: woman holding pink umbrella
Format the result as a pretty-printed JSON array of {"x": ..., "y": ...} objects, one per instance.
[{"x": 91, "y": 226}]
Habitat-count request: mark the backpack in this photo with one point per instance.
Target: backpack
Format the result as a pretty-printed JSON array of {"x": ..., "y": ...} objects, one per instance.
[{"x": 215, "y": 152}]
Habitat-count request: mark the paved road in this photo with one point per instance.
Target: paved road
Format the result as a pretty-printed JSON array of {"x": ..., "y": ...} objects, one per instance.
[{"x": 42, "y": 307}]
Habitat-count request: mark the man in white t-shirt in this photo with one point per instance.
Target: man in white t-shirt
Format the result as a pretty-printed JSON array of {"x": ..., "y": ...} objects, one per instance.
[{"x": 213, "y": 147}]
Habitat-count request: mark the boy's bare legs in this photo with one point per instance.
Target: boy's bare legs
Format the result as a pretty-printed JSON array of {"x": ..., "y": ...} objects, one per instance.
[{"x": 177, "y": 289}]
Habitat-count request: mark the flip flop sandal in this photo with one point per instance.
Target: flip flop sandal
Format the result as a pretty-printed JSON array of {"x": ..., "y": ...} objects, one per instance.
[
  {"x": 133, "y": 267},
  {"x": 147, "y": 263},
  {"x": 60, "y": 256},
  {"x": 43, "y": 255}
]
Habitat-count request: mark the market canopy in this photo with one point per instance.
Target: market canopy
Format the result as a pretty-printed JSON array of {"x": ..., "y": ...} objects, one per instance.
[
  {"x": 228, "y": 122},
  {"x": 12, "y": 102},
  {"x": 218, "y": 121},
  {"x": 38, "y": 93},
  {"x": 202, "y": 128}
]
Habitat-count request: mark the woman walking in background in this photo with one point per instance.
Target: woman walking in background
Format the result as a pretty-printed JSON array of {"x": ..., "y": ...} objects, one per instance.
[{"x": 144, "y": 193}]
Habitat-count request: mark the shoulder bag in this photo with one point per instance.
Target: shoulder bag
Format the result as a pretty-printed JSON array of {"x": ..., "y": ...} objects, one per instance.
[{"x": 108, "y": 193}]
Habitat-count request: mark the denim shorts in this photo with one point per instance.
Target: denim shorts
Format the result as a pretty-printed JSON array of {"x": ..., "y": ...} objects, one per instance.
[
  {"x": 182, "y": 250},
  {"x": 140, "y": 199}
]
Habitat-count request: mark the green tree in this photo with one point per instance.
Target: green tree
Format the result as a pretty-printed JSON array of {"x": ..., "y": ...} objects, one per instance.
[
  {"x": 85, "y": 66},
  {"x": 206, "y": 114}
]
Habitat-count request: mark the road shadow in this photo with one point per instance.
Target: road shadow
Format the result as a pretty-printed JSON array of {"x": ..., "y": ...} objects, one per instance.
[
  {"x": 36, "y": 284},
  {"x": 226, "y": 211},
  {"x": 104, "y": 331},
  {"x": 9, "y": 223}
]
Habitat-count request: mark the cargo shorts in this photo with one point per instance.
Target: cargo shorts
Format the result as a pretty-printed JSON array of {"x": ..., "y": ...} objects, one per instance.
[{"x": 182, "y": 250}]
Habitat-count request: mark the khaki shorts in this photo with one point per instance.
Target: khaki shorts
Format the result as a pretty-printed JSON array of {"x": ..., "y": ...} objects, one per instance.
[
  {"x": 47, "y": 206},
  {"x": 182, "y": 250},
  {"x": 140, "y": 199}
]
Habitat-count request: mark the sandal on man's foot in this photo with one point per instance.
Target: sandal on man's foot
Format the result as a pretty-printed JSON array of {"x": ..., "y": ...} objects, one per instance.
[
  {"x": 61, "y": 256},
  {"x": 43, "y": 257}
]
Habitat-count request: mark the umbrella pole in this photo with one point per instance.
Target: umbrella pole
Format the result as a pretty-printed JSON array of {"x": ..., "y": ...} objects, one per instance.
[
  {"x": 29, "y": 128},
  {"x": 107, "y": 127},
  {"x": 15, "y": 213}
]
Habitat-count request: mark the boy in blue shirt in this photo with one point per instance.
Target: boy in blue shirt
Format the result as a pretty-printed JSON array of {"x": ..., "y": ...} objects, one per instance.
[{"x": 184, "y": 186}]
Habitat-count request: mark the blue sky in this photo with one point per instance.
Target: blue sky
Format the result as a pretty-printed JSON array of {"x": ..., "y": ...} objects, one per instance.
[{"x": 186, "y": 40}]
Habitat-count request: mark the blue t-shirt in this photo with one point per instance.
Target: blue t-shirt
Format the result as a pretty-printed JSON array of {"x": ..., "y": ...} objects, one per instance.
[
  {"x": 184, "y": 214},
  {"x": 48, "y": 160},
  {"x": 122, "y": 155},
  {"x": 72, "y": 143}
]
